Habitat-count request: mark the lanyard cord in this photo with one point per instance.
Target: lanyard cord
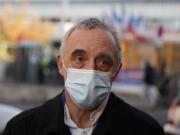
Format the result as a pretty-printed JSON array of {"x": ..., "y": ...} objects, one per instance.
[{"x": 62, "y": 99}]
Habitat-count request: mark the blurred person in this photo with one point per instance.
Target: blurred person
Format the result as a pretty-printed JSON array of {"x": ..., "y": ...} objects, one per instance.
[
  {"x": 89, "y": 61},
  {"x": 163, "y": 80},
  {"x": 172, "y": 126},
  {"x": 42, "y": 65},
  {"x": 167, "y": 84},
  {"x": 40, "y": 71},
  {"x": 151, "y": 91}
]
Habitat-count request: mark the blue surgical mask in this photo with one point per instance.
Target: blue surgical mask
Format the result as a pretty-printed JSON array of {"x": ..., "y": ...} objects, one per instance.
[{"x": 88, "y": 88}]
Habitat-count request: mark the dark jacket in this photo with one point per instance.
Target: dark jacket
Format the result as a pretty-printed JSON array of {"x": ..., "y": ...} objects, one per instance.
[{"x": 118, "y": 118}]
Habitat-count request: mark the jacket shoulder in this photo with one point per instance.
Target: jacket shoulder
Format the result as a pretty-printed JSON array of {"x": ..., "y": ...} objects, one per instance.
[
  {"x": 134, "y": 118},
  {"x": 33, "y": 118}
]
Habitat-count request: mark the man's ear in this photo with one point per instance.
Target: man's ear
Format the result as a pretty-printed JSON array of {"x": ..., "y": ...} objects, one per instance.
[
  {"x": 59, "y": 64},
  {"x": 114, "y": 77}
]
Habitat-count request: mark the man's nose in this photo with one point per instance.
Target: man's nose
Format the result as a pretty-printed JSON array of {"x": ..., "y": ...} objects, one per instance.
[{"x": 90, "y": 65}]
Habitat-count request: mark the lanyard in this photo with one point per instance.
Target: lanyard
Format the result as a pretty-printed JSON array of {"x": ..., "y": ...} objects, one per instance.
[{"x": 62, "y": 99}]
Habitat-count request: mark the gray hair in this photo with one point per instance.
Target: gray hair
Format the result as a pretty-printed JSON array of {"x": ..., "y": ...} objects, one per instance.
[{"x": 89, "y": 24}]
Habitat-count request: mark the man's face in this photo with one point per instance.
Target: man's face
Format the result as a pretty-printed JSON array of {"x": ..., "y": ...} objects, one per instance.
[{"x": 89, "y": 49}]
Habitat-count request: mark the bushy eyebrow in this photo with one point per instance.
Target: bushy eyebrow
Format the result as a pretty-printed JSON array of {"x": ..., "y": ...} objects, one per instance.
[
  {"x": 106, "y": 56},
  {"x": 78, "y": 52}
]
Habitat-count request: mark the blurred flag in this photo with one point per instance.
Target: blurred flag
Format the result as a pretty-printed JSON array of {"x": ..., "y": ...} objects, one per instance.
[
  {"x": 134, "y": 25},
  {"x": 116, "y": 17}
]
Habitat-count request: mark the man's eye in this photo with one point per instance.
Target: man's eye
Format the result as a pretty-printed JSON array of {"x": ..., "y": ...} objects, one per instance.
[
  {"x": 104, "y": 64},
  {"x": 79, "y": 59}
]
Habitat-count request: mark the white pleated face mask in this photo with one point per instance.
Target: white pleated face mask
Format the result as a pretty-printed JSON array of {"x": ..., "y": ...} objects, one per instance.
[{"x": 88, "y": 88}]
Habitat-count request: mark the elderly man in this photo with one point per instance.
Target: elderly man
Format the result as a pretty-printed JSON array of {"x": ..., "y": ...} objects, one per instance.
[{"x": 89, "y": 61}]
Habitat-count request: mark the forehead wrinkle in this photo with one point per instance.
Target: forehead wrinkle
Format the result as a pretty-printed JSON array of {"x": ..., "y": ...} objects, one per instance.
[{"x": 86, "y": 35}]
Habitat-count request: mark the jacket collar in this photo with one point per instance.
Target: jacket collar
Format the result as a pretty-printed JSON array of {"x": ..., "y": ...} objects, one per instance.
[
  {"x": 106, "y": 123},
  {"x": 103, "y": 126},
  {"x": 57, "y": 126}
]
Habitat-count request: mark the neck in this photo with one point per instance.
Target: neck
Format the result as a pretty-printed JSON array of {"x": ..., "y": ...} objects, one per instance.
[{"x": 80, "y": 116}]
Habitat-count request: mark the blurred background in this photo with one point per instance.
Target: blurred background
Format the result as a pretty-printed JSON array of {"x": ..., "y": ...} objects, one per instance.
[{"x": 31, "y": 33}]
